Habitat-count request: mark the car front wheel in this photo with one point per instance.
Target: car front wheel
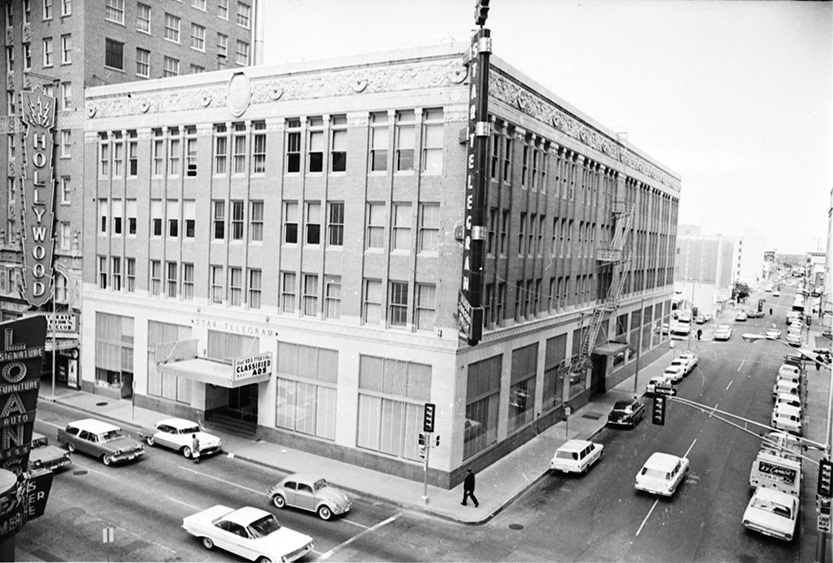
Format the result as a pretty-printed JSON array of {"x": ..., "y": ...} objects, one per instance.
[
  {"x": 278, "y": 501},
  {"x": 70, "y": 447},
  {"x": 106, "y": 460},
  {"x": 150, "y": 441},
  {"x": 208, "y": 543},
  {"x": 186, "y": 451},
  {"x": 263, "y": 559},
  {"x": 324, "y": 512}
]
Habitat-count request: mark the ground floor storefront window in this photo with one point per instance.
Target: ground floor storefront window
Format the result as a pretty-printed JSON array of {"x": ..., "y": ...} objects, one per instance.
[
  {"x": 113, "y": 349},
  {"x": 161, "y": 339},
  {"x": 306, "y": 390},
  {"x": 482, "y": 396}
]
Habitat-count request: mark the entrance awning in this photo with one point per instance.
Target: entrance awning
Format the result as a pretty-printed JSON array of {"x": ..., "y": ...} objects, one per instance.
[
  {"x": 208, "y": 371},
  {"x": 610, "y": 348},
  {"x": 60, "y": 344}
]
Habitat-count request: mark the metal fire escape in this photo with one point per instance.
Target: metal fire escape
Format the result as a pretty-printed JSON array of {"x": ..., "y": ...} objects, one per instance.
[{"x": 618, "y": 254}]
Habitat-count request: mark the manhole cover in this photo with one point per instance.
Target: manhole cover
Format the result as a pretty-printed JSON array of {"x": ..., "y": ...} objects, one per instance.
[
  {"x": 101, "y": 404},
  {"x": 80, "y": 472},
  {"x": 516, "y": 526},
  {"x": 592, "y": 415}
]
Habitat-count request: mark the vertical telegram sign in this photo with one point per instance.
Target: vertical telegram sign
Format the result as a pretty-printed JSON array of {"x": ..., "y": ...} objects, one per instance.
[
  {"x": 21, "y": 354},
  {"x": 469, "y": 305},
  {"x": 38, "y": 195}
]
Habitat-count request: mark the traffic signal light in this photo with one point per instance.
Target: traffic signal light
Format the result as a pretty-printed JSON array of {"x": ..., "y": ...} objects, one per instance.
[
  {"x": 422, "y": 444},
  {"x": 428, "y": 417},
  {"x": 825, "y": 483},
  {"x": 481, "y": 12},
  {"x": 437, "y": 441},
  {"x": 658, "y": 411}
]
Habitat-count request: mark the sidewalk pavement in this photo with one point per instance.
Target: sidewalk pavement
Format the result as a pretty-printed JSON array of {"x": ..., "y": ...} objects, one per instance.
[{"x": 497, "y": 485}]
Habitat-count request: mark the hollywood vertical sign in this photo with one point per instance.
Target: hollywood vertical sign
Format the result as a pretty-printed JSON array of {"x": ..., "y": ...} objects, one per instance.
[{"x": 38, "y": 195}]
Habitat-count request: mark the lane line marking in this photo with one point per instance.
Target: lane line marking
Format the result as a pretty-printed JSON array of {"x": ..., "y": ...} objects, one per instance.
[
  {"x": 645, "y": 520},
  {"x": 201, "y": 474},
  {"x": 727, "y": 387},
  {"x": 185, "y": 503},
  {"x": 741, "y": 365},
  {"x": 688, "y": 451},
  {"x": 355, "y": 523},
  {"x": 329, "y": 554}
]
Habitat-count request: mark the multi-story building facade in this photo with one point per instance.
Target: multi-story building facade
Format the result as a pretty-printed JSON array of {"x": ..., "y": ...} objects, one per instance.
[
  {"x": 703, "y": 274},
  {"x": 288, "y": 251},
  {"x": 66, "y": 46}
]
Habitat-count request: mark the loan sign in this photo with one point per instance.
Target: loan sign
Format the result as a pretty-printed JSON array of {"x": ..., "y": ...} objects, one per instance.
[{"x": 38, "y": 195}]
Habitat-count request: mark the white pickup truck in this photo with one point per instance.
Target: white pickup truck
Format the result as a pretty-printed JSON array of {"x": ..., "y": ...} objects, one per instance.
[{"x": 250, "y": 532}]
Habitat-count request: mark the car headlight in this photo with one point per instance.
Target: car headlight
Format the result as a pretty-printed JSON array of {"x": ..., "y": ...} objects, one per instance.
[{"x": 117, "y": 452}]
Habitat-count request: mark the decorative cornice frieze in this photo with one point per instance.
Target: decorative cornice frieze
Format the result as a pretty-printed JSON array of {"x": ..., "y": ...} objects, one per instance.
[{"x": 513, "y": 94}]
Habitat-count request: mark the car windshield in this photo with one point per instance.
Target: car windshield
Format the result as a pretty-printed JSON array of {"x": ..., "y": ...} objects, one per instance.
[
  {"x": 621, "y": 406},
  {"x": 774, "y": 507},
  {"x": 189, "y": 430},
  {"x": 264, "y": 526},
  {"x": 39, "y": 442},
  {"x": 111, "y": 435},
  {"x": 320, "y": 484}
]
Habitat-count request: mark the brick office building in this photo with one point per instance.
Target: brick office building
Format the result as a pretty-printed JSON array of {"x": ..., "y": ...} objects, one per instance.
[
  {"x": 288, "y": 254},
  {"x": 65, "y": 46}
]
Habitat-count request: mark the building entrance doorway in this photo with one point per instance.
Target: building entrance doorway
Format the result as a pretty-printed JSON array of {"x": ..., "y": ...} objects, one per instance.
[{"x": 242, "y": 403}]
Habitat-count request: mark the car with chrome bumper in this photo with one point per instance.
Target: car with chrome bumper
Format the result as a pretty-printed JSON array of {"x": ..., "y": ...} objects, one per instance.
[
  {"x": 43, "y": 455},
  {"x": 178, "y": 434},
  {"x": 101, "y": 440},
  {"x": 310, "y": 492}
]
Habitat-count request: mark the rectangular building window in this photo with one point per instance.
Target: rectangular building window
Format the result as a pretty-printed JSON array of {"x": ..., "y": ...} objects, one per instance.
[
  {"x": 255, "y": 288},
  {"x": 187, "y": 281},
  {"x": 102, "y": 272},
  {"x": 288, "y": 292},
  {"x": 405, "y": 140},
  {"x": 219, "y": 219},
  {"x": 259, "y": 148},
  {"x": 66, "y": 190},
  {"x": 244, "y": 12},
  {"x": 306, "y": 390},
  {"x": 379, "y": 142},
  {"x": 131, "y": 275},
  {"x": 142, "y": 63},
  {"x": 220, "y": 148},
  {"x": 156, "y": 217},
  {"x": 335, "y": 225},
  {"x": 47, "y": 9},
  {"x": 315, "y": 146},
  {"x": 189, "y": 216},
  {"x": 114, "y": 11},
  {"x": 482, "y": 405},
  {"x": 242, "y": 57},
  {"x": 158, "y": 153},
  {"x": 130, "y": 210},
  {"x": 197, "y": 37},
  {"x": 196, "y": 69},
  {"x": 426, "y": 306},
  {"x": 191, "y": 150},
  {"x": 238, "y": 148},
  {"x": 143, "y": 17},
  {"x": 256, "y": 221},
  {"x": 113, "y": 54},
  {"x": 222, "y": 45},
  {"x": 332, "y": 297},
  {"x": 290, "y": 222},
  {"x": 172, "y": 27},
  {"x": 310, "y": 295},
  {"x": 372, "y": 302},
  {"x": 522, "y": 386},
  {"x": 429, "y": 227},
  {"x": 155, "y": 277},
  {"x": 170, "y": 67},
  {"x": 118, "y": 154},
  {"x": 66, "y": 95},
  {"x": 222, "y": 9},
  {"x": 172, "y": 282},
  {"x": 172, "y": 212},
  {"x": 235, "y": 286},
  {"x": 432, "y": 142},
  {"x": 375, "y": 225},
  {"x": 402, "y": 220},
  {"x": 293, "y": 145},
  {"x": 174, "y": 151},
  {"x": 103, "y": 155},
  {"x": 216, "y": 283},
  {"x": 64, "y": 236},
  {"x": 66, "y": 7},
  {"x": 398, "y": 304},
  {"x": 47, "y": 51},
  {"x": 313, "y": 223},
  {"x": 117, "y": 218},
  {"x": 66, "y": 49},
  {"x": 66, "y": 143},
  {"x": 338, "y": 148},
  {"x": 237, "y": 219}
]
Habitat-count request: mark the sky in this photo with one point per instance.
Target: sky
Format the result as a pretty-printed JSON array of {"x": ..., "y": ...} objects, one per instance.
[{"x": 736, "y": 97}]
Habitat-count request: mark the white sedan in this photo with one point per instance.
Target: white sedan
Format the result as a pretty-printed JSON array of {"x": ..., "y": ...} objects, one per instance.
[
  {"x": 178, "y": 435},
  {"x": 249, "y": 532},
  {"x": 690, "y": 359},
  {"x": 661, "y": 474},
  {"x": 773, "y": 513},
  {"x": 773, "y": 333},
  {"x": 674, "y": 373},
  {"x": 723, "y": 332}
]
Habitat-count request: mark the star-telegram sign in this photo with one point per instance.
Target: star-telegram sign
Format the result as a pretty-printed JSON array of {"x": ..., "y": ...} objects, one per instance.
[{"x": 38, "y": 195}]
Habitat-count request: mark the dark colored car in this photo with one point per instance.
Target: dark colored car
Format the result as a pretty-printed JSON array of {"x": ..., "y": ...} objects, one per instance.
[
  {"x": 626, "y": 413},
  {"x": 43, "y": 455}
]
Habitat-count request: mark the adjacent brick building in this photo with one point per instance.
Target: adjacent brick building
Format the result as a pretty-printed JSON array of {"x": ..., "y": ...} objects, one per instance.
[{"x": 286, "y": 252}]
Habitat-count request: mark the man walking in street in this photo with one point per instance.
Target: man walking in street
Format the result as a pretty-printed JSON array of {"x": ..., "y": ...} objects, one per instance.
[
  {"x": 195, "y": 448},
  {"x": 468, "y": 488}
]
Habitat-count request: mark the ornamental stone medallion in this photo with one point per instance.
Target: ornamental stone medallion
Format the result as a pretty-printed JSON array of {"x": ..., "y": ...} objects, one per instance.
[{"x": 239, "y": 94}]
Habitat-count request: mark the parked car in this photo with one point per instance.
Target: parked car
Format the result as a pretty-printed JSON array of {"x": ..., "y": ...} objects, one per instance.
[
  {"x": 660, "y": 385},
  {"x": 723, "y": 332},
  {"x": 773, "y": 333},
  {"x": 755, "y": 314},
  {"x": 576, "y": 456},
  {"x": 661, "y": 474},
  {"x": 741, "y": 316},
  {"x": 787, "y": 419},
  {"x": 675, "y": 372},
  {"x": 776, "y": 293},
  {"x": 100, "y": 439},
  {"x": 177, "y": 434},
  {"x": 793, "y": 339},
  {"x": 248, "y": 532},
  {"x": 773, "y": 513},
  {"x": 626, "y": 413},
  {"x": 43, "y": 455},
  {"x": 691, "y": 359},
  {"x": 310, "y": 492},
  {"x": 702, "y": 318},
  {"x": 789, "y": 400},
  {"x": 786, "y": 387}
]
